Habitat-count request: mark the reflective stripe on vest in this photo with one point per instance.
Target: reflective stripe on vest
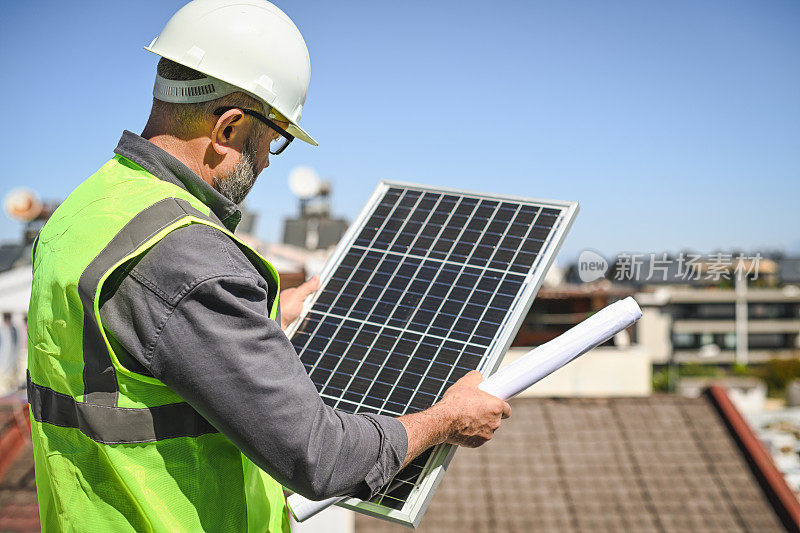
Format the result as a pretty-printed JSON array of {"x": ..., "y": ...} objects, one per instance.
[{"x": 116, "y": 425}]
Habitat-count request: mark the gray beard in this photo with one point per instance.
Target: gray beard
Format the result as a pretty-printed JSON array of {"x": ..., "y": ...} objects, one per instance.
[{"x": 238, "y": 183}]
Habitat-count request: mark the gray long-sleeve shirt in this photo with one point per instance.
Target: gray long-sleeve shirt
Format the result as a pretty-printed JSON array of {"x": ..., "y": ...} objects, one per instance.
[{"x": 193, "y": 313}]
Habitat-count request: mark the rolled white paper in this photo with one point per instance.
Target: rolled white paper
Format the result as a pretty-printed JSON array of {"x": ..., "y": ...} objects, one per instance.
[
  {"x": 526, "y": 371},
  {"x": 302, "y": 508},
  {"x": 549, "y": 357}
]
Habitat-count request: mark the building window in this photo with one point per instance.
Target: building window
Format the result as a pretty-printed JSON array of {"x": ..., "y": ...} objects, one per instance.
[
  {"x": 766, "y": 341},
  {"x": 729, "y": 341},
  {"x": 721, "y": 311},
  {"x": 705, "y": 311},
  {"x": 684, "y": 340},
  {"x": 769, "y": 310},
  {"x": 706, "y": 338}
]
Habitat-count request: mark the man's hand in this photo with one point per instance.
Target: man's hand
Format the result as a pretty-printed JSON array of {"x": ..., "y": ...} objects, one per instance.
[
  {"x": 474, "y": 414},
  {"x": 292, "y": 300},
  {"x": 465, "y": 415}
]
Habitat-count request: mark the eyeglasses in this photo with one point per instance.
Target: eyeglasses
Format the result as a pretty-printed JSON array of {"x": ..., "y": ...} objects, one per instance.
[{"x": 276, "y": 145}]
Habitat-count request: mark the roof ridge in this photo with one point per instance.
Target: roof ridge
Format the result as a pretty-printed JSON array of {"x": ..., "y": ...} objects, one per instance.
[{"x": 769, "y": 477}]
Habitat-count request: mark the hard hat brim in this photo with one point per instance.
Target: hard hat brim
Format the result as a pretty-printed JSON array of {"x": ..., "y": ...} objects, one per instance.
[{"x": 301, "y": 134}]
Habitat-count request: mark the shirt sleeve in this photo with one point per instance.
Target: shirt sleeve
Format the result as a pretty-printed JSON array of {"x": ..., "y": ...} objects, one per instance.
[{"x": 193, "y": 313}]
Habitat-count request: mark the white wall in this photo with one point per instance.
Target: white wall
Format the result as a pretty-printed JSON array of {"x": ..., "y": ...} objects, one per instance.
[
  {"x": 602, "y": 372},
  {"x": 654, "y": 333},
  {"x": 332, "y": 520}
]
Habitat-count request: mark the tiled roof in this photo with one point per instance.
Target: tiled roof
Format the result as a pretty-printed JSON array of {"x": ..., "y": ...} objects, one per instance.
[
  {"x": 662, "y": 463},
  {"x": 19, "y": 511}
]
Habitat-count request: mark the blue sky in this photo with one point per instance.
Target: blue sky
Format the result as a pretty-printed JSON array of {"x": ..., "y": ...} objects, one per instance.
[{"x": 675, "y": 124}]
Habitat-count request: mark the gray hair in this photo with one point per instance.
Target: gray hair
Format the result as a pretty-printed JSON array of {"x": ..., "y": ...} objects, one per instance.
[{"x": 180, "y": 118}]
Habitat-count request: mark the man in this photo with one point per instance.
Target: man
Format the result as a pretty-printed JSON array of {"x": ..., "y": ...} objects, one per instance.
[{"x": 164, "y": 394}]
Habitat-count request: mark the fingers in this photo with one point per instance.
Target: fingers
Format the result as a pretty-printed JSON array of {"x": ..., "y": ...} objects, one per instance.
[
  {"x": 472, "y": 378},
  {"x": 475, "y": 442},
  {"x": 309, "y": 286},
  {"x": 477, "y": 413}
]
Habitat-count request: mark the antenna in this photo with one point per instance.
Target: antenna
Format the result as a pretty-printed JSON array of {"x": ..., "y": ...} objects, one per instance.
[{"x": 314, "y": 228}]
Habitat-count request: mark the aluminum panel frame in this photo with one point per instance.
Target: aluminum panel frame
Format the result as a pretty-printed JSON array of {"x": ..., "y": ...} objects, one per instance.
[{"x": 418, "y": 500}]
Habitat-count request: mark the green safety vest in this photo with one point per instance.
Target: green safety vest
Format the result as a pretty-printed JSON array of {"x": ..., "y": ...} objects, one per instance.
[{"x": 117, "y": 450}]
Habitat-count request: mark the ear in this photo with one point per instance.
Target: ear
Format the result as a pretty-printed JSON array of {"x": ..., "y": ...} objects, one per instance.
[{"x": 229, "y": 132}]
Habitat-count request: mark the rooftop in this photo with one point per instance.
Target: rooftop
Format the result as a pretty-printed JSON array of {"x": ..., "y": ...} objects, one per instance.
[
  {"x": 19, "y": 511},
  {"x": 662, "y": 463}
]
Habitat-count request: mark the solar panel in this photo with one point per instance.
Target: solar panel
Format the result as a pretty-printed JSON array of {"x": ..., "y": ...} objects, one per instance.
[{"x": 426, "y": 285}]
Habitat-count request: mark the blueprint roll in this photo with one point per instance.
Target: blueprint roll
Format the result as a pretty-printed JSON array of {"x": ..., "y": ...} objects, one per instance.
[
  {"x": 549, "y": 357},
  {"x": 527, "y": 370},
  {"x": 302, "y": 508}
]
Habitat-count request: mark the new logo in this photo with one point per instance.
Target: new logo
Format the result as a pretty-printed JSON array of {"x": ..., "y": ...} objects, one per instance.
[{"x": 591, "y": 266}]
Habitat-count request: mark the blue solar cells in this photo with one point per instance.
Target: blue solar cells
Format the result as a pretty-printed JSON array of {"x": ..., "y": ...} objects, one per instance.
[{"x": 416, "y": 301}]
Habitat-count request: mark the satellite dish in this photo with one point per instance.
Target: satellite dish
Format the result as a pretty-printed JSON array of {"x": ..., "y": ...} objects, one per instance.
[
  {"x": 23, "y": 205},
  {"x": 709, "y": 350},
  {"x": 304, "y": 182}
]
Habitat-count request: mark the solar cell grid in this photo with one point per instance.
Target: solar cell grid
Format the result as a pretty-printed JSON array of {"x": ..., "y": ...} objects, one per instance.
[{"x": 416, "y": 301}]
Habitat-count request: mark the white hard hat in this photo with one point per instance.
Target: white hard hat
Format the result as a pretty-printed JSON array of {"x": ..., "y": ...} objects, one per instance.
[{"x": 241, "y": 45}]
